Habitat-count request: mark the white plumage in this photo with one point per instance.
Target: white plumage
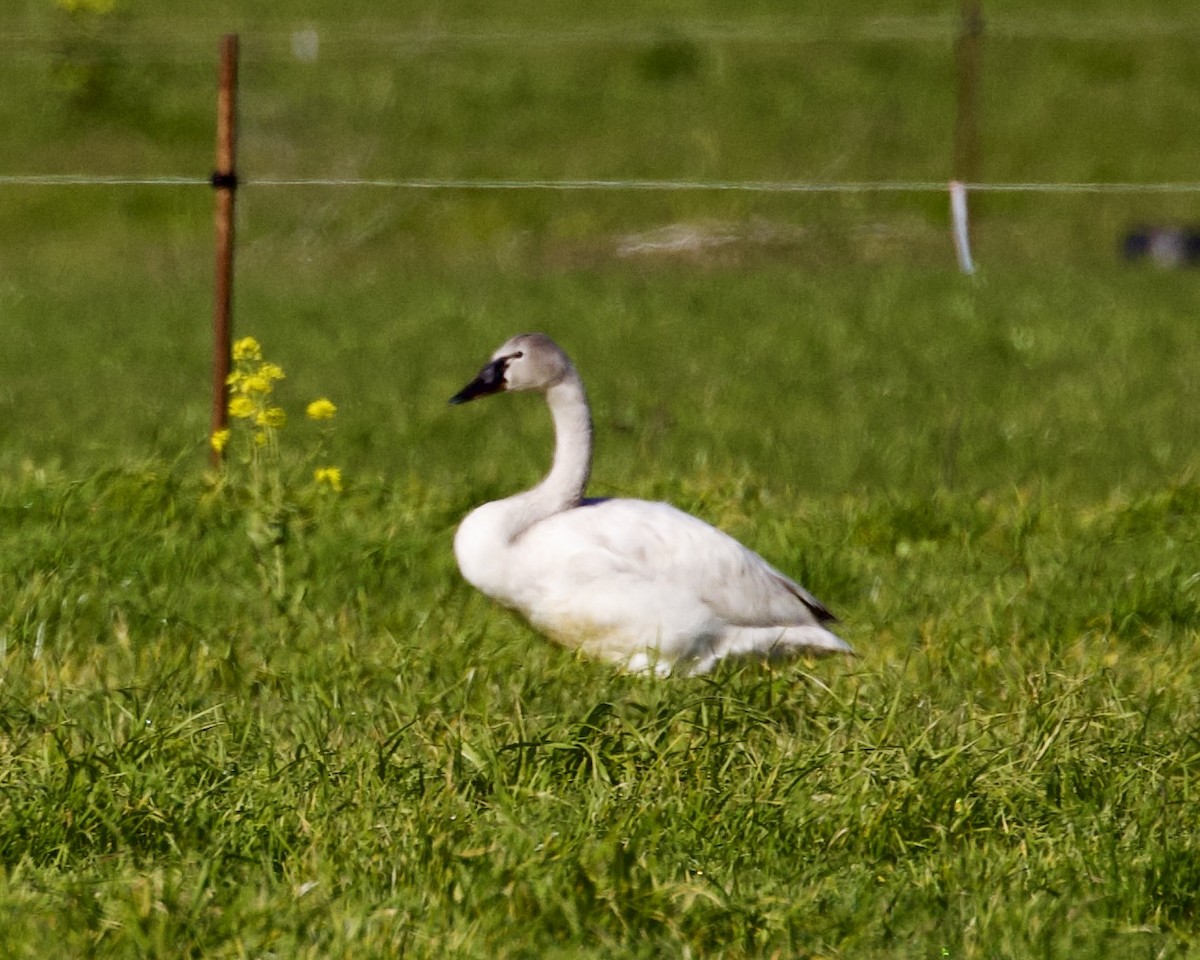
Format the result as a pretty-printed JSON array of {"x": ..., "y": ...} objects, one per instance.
[{"x": 637, "y": 583}]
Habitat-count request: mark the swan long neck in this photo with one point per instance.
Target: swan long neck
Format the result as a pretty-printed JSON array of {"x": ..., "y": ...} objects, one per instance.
[{"x": 564, "y": 485}]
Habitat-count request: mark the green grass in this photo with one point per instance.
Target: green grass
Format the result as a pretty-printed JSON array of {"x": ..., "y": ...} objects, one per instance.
[
  {"x": 846, "y": 380},
  {"x": 1008, "y": 770},
  {"x": 994, "y": 482}
]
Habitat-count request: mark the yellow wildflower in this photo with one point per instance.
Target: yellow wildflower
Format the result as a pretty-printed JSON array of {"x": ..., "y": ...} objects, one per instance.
[
  {"x": 247, "y": 348},
  {"x": 271, "y": 417},
  {"x": 272, "y": 371},
  {"x": 256, "y": 383},
  {"x": 235, "y": 379},
  {"x": 331, "y": 476},
  {"x": 321, "y": 409},
  {"x": 219, "y": 440},
  {"x": 242, "y": 407}
]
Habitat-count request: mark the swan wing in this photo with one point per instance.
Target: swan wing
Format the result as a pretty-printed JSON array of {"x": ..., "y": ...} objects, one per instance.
[{"x": 640, "y": 541}]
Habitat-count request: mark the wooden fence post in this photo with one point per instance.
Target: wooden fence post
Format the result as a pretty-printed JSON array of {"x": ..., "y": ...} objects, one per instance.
[
  {"x": 966, "y": 69},
  {"x": 224, "y": 181}
]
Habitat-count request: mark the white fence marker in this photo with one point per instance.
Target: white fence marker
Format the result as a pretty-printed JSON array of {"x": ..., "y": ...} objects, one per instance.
[{"x": 961, "y": 227}]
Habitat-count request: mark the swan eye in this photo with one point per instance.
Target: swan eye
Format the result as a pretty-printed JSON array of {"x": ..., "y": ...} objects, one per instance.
[{"x": 504, "y": 362}]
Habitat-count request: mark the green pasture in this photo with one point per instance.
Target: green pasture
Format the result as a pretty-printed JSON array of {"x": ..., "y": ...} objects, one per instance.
[{"x": 247, "y": 724}]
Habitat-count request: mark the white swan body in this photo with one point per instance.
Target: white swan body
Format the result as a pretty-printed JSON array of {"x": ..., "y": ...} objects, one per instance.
[{"x": 636, "y": 583}]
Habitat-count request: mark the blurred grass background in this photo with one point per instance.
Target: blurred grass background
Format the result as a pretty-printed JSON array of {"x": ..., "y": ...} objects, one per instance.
[{"x": 894, "y": 368}]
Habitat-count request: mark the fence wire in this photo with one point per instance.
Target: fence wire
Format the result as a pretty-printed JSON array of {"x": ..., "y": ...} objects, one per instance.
[
  {"x": 274, "y": 39},
  {"x": 601, "y": 186}
]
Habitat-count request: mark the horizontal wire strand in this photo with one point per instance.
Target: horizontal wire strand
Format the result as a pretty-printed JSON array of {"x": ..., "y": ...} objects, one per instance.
[
  {"x": 84, "y": 180},
  {"x": 614, "y": 185},
  {"x": 795, "y": 30}
]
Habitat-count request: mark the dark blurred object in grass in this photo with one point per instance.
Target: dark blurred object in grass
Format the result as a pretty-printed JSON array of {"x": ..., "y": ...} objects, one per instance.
[{"x": 1164, "y": 246}]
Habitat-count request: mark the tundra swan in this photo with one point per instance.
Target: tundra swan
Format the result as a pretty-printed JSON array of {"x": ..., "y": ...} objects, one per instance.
[{"x": 637, "y": 583}]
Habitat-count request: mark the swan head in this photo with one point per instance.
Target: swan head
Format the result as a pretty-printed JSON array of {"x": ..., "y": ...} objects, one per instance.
[{"x": 530, "y": 361}]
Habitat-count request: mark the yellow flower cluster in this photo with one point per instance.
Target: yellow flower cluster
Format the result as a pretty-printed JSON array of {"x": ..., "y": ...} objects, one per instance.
[
  {"x": 247, "y": 348},
  {"x": 330, "y": 477},
  {"x": 321, "y": 409},
  {"x": 251, "y": 385},
  {"x": 273, "y": 417}
]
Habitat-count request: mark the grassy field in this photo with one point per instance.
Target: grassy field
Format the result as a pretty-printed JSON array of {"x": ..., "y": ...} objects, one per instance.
[
  {"x": 330, "y": 746},
  {"x": 391, "y": 765}
]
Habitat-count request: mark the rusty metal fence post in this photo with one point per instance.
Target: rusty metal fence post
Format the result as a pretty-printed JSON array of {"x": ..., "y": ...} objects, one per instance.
[{"x": 224, "y": 181}]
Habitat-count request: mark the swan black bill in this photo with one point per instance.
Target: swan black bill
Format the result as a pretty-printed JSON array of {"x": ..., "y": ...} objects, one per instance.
[{"x": 489, "y": 381}]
